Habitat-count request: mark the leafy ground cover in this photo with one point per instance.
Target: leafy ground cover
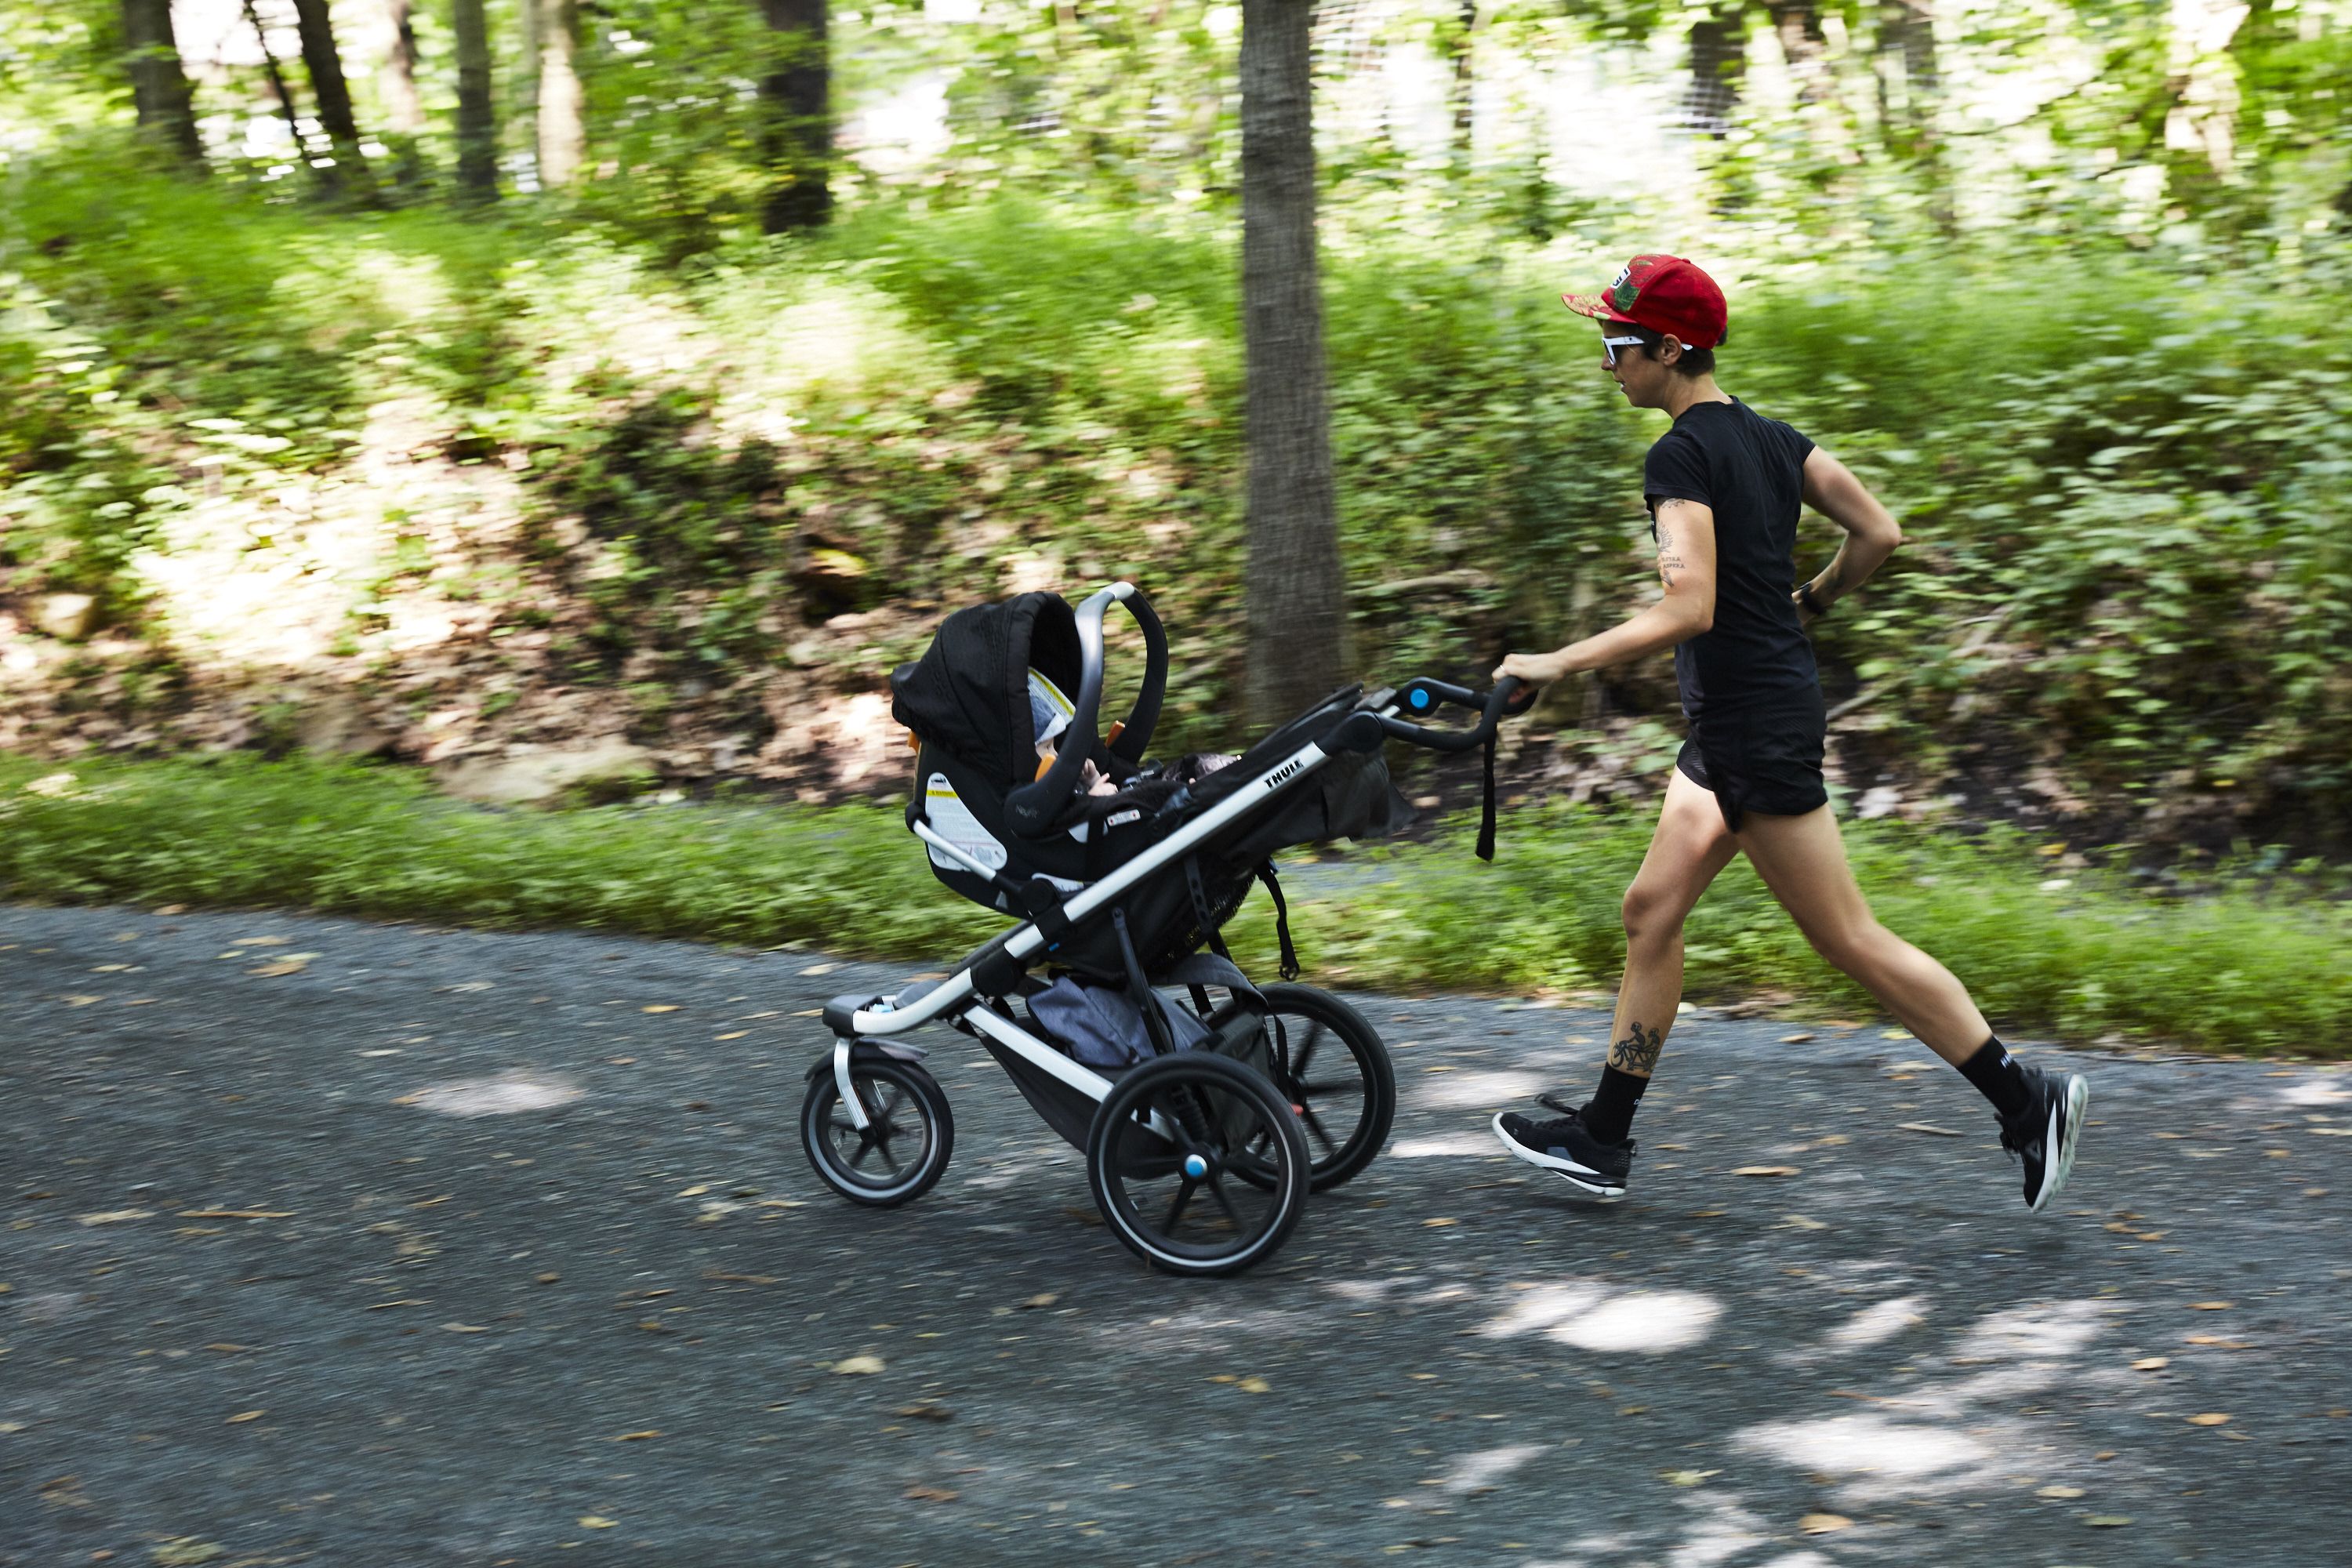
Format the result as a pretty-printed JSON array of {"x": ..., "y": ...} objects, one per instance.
[
  {"x": 2244, "y": 962},
  {"x": 509, "y": 480}
]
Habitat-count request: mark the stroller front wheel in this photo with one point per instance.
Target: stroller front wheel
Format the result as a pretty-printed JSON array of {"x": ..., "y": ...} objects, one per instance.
[
  {"x": 1197, "y": 1164},
  {"x": 904, "y": 1147}
]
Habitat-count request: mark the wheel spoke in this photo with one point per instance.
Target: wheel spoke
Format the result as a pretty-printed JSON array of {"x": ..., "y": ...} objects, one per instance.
[
  {"x": 1176, "y": 1208},
  {"x": 866, "y": 1145},
  {"x": 1217, "y": 1191},
  {"x": 898, "y": 1097},
  {"x": 1306, "y": 1051},
  {"x": 1315, "y": 1125},
  {"x": 882, "y": 1147}
]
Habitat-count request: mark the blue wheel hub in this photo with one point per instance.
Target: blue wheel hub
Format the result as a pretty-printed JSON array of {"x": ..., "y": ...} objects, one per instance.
[{"x": 1196, "y": 1166}]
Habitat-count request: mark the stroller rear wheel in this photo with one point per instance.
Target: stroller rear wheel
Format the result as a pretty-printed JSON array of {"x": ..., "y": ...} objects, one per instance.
[
  {"x": 904, "y": 1147},
  {"x": 1329, "y": 1059},
  {"x": 1197, "y": 1164}
]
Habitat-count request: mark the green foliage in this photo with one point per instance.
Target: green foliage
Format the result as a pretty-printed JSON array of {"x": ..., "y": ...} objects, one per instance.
[{"x": 2241, "y": 965}]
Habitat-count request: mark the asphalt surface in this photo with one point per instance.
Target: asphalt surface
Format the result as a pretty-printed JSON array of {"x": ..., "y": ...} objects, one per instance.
[{"x": 268, "y": 1300}]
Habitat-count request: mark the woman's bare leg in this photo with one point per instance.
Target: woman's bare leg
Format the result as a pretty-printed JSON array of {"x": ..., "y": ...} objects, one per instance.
[
  {"x": 1690, "y": 845},
  {"x": 1803, "y": 860}
]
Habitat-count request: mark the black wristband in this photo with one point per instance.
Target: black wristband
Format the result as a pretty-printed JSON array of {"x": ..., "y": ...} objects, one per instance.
[{"x": 1805, "y": 597}]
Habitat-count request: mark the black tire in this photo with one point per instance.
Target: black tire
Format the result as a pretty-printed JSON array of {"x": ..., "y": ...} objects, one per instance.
[
  {"x": 1224, "y": 1118},
  {"x": 905, "y": 1148},
  {"x": 1345, "y": 1106}
]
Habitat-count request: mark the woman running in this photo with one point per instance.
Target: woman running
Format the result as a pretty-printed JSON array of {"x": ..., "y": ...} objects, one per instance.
[{"x": 1723, "y": 488}]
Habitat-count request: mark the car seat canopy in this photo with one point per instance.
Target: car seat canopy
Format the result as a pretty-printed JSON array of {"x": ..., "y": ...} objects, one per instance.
[{"x": 969, "y": 694}]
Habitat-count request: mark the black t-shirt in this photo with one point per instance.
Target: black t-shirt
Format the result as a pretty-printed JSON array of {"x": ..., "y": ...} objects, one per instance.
[{"x": 1751, "y": 471}]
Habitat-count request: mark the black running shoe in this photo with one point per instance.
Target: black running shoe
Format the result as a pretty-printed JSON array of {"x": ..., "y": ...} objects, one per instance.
[
  {"x": 1566, "y": 1149},
  {"x": 2043, "y": 1137}
]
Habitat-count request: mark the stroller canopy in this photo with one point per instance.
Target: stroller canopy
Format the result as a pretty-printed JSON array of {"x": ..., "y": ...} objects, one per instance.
[{"x": 969, "y": 694}]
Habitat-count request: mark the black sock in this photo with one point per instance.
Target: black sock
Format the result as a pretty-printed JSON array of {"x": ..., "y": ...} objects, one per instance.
[
  {"x": 1609, "y": 1114},
  {"x": 1999, "y": 1078}
]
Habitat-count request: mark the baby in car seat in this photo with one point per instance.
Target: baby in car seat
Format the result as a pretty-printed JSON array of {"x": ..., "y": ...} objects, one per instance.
[{"x": 1049, "y": 715}]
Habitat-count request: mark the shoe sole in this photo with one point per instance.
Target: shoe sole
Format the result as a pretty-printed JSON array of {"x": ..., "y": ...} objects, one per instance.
[
  {"x": 2078, "y": 1100},
  {"x": 1568, "y": 1171}
]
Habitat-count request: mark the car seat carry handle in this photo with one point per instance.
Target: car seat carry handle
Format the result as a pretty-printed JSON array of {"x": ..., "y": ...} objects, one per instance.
[{"x": 1032, "y": 810}]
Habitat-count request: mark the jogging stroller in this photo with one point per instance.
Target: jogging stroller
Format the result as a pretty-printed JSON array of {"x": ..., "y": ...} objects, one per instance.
[{"x": 1202, "y": 1145}]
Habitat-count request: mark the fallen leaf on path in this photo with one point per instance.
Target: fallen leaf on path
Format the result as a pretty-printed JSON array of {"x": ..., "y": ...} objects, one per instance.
[
  {"x": 1687, "y": 1478},
  {"x": 404, "y": 1301},
  {"x": 1795, "y": 1039},
  {"x": 291, "y": 964},
  {"x": 696, "y": 1191},
  {"x": 638, "y": 1436},
  {"x": 1929, "y": 1128},
  {"x": 2211, "y": 1306},
  {"x": 237, "y": 1214},
  {"x": 2210, "y": 1418},
  {"x": 79, "y": 1001},
  {"x": 2106, "y": 1520},
  {"x": 258, "y": 940},
  {"x": 927, "y": 1494},
  {"x": 596, "y": 1521},
  {"x": 819, "y": 968},
  {"x": 466, "y": 1328},
  {"x": 546, "y": 1278},
  {"x": 1433, "y": 1224},
  {"x": 1254, "y": 1386},
  {"x": 660, "y": 1007},
  {"x": 184, "y": 1552},
  {"x": 1766, "y": 1171},
  {"x": 1043, "y": 1299},
  {"x": 735, "y": 1035},
  {"x": 859, "y": 1367},
  {"x": 2059, "y": 1492},
  {"x": 115, "y": 1216},
  {"x": 925, "y": 1412},
  {"x": 1802, "y": 1222},
  {"x": 2151, "y": 1364},
  {"x": 1824, "y": 1523},
  {"x": 243, "y": 1416}
]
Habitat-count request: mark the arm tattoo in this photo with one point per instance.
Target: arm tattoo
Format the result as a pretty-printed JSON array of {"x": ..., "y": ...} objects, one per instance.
[
  {"x": 1670, "y": 560},
  {"x": 1637, "y": 1053}
]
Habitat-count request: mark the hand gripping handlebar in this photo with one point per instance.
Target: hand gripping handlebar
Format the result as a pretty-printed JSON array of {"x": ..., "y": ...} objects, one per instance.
[{"x": 1032, "y": 810}]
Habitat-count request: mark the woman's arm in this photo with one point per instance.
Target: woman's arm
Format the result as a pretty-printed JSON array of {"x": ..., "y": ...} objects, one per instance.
[
  {"x": 1871, "y": 532},
  {"x": 1686, "y": 567}
]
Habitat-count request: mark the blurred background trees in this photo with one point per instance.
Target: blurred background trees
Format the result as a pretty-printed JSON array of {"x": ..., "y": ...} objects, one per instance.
[{"x": 800, "y": 322}]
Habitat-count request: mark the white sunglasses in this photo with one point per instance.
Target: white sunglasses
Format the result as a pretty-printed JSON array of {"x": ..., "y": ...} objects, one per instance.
[{"x": 1609, "y": 347}]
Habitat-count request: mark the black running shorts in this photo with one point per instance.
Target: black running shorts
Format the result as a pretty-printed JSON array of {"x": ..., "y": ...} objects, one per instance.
[{"x": 1762, "y": 757}]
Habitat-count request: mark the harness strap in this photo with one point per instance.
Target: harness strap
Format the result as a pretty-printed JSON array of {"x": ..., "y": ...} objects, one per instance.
[
  {"x": 1281, "y": 918},
  {"x": 1486, "y": 814}
]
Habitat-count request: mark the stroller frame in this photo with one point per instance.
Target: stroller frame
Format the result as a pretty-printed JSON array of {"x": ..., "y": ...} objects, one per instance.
[{"x": 1163, "y": 1091}]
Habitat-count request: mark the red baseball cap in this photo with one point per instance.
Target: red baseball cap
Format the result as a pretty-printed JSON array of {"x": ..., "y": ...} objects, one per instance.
[{"x": 1665, "y": 294}]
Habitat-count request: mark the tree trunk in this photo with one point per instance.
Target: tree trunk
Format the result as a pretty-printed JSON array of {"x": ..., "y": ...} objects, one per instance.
[
  {"x": 159, "y": 88},
  {"x": 401, "y": 104},
  {"x": 1719, "y": 59},
  {"x": 324, "y": 65},
  {"x": 1461, "y": 42},
  {"x": 1297, "y": 621},
  {"x": 277, "y": 83},
  {"x": 563, "y": 132},
  {"x": 477, "y": 131},
  {"x": 1906, "y": 44},
  {"x": 1806, "y": 48},
  {"x": 797, "y": 93}
]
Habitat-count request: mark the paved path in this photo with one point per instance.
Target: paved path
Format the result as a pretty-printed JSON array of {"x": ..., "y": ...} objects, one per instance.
[{"x": 265, "y": 1293}]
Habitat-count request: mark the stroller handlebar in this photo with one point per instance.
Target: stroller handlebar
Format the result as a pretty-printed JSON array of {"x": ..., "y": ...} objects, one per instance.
[
  {"x": 1032, "y": 810},
  {"x": 1508, "y": 699}
]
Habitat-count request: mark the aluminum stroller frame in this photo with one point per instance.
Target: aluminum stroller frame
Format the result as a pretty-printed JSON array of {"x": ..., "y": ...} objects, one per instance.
[{"x": 1191, "y": 1117}]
